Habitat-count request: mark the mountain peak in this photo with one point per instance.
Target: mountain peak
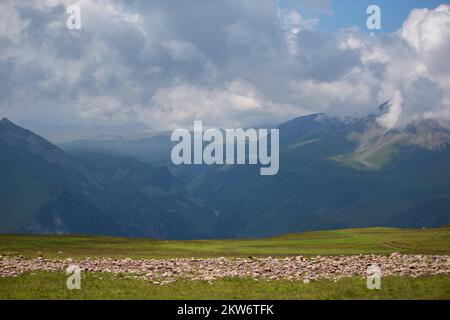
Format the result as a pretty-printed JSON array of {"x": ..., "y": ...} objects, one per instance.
[
  {"x": 5, "y": 121},
  {"x": 7, "y": 125}
]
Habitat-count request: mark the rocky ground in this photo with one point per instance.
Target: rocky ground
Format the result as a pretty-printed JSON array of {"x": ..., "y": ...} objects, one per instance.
[{"x": 293, "y": 268}]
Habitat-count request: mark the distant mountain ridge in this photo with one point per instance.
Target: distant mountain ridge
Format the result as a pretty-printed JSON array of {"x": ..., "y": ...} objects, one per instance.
[
  {"x": 44, "y": 190},
  {"x": 337, "y": 174},
  {"x": 333, "y": 174}
]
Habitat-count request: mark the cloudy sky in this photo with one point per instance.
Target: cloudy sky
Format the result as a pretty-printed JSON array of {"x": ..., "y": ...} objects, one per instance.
[{"x": 230, "y": 63}]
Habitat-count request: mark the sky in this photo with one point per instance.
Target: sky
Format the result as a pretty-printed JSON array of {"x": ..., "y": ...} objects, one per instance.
[
  {"x": 339, "y": 14},
  {"x": 229, "y": 63}
]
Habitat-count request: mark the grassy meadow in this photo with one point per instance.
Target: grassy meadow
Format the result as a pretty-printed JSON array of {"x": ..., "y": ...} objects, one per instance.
[
  {"x": 48, "y": 285},
  {"x": 51, "y": 285},
  {"x": 340, "y": 242}
]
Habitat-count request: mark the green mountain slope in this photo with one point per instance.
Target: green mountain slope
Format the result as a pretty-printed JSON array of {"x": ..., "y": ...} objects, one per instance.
[
  {"x": 153, "y": 194},
  {"x": 337, "y": 175},
  {"x": 333, "y": 174},
  {"x": 43, "y": 190}
]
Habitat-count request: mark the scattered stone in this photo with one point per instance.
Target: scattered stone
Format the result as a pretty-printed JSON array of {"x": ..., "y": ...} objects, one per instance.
[{"x": 298, "y": 268}]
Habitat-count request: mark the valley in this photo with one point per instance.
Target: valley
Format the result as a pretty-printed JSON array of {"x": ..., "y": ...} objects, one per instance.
[{"x": 333, "y": 174}]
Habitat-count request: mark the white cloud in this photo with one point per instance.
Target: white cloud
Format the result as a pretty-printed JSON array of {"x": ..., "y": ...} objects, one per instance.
[
  {"x": 181, "y": 104},
  {"x": 426, "y": 29},
  {"x": 292, "y": 22},
  {"x": 238, "y": 63},
  {"x": 11, "y": 26},
  {"x": 389, "y": 119},
  {"x": 181, "y": 50}
]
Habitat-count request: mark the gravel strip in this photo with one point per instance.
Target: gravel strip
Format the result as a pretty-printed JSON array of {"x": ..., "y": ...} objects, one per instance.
[{"x": 293, "y": 268}]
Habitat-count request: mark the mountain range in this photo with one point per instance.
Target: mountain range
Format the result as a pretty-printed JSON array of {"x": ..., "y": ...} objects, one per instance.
[
  {"x": 333, "y": 174},
  {"x": 45, "y": 190}
]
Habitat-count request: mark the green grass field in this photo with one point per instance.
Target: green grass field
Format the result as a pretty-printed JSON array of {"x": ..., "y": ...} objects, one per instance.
[
  {"x": 342, "y": 242},
  {"x": 47, "y": 285}
]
